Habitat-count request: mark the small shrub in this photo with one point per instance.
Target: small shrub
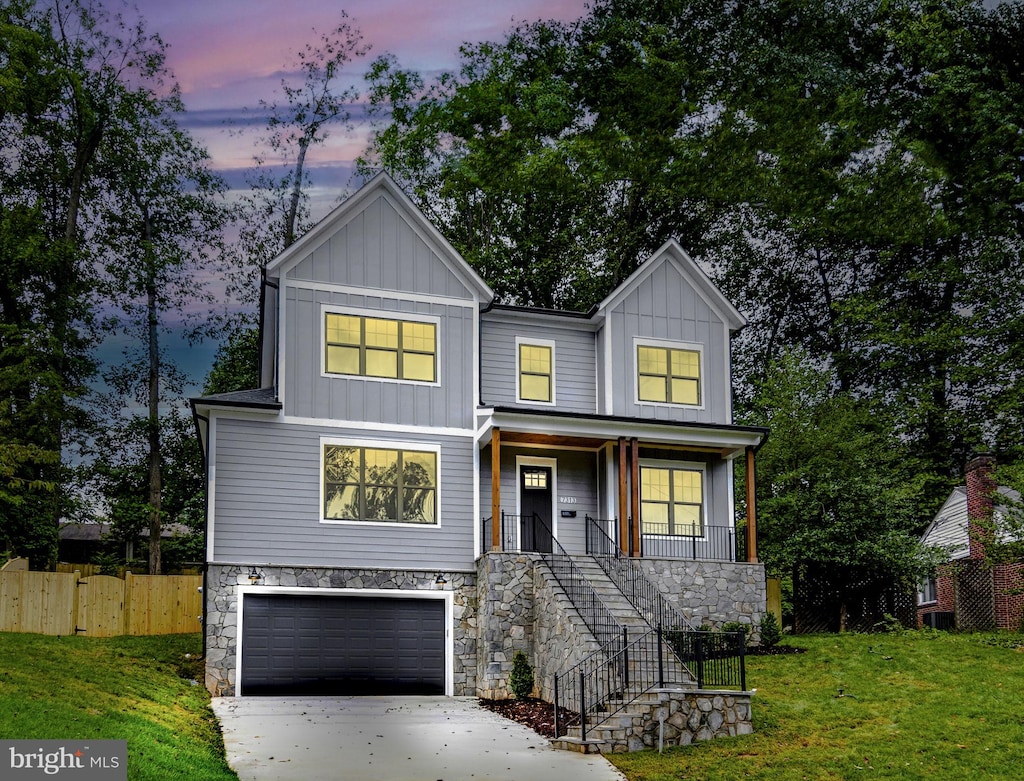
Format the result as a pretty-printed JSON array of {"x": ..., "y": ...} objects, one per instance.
[
  {"x": 737, "y": 626},
  {"x": 771, "y": 632},
  {"x": 889, "y": 624},
  {"x": 521, "y": 679}
]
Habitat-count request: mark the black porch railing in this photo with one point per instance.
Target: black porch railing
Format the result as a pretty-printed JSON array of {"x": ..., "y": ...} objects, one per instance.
[{"x": 706, "y": 543}]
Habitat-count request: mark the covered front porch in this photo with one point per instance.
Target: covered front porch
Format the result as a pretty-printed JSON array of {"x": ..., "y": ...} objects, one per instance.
[{"x": 602, "y": 485}]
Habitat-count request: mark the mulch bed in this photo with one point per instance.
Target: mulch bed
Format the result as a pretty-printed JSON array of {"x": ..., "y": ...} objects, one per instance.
[
  {"x": 540, "y": 716},
  {"x": 535, "y": 714}
]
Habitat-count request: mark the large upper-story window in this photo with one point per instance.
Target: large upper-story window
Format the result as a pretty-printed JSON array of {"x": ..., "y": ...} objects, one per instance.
[
  {"x": 380, "y": 347},
  {"x": 672, "y": 501},
  {"x": 536, "y": 372},
  {"x": 380, "y": 484},
  {"x": 668, "y": 375}
]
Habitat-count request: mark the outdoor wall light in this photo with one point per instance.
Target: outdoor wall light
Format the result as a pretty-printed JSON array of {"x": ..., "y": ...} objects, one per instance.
[
  {"x": 440, "y": 581},
  {"x": 255, "y": 576}
]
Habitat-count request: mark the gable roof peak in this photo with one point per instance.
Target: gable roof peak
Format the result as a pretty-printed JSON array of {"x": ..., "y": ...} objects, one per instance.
[
  {"x": 673, "y": 253},
  {"x": 381, "y": 182}
]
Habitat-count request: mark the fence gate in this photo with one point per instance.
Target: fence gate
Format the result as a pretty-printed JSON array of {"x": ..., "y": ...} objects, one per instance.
[{"x": 100, "y": 606}]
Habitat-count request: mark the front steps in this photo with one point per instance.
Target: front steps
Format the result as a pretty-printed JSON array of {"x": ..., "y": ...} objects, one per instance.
[{"x": 676, "y": 715}]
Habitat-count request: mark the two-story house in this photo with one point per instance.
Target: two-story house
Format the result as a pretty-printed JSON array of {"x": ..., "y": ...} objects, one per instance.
[{"x": 376, "y": 510}]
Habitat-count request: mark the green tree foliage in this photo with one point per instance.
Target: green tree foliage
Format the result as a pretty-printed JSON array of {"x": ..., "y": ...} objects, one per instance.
[
  {"x": 848, "y": 171},
  {"x": 235, "y": 364},
  {"x": 100, "y": 195},
  {"x": 120, "y": 486},
  {"x": 838, "y": 492},
  {"x": 520, "y": 680}
]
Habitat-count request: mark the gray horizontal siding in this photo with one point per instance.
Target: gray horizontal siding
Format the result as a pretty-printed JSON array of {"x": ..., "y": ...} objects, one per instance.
[
  {"x": 665, "y": 306},
  {"x": 575, "y": 363},
  {"x": 267, "y": 503},
  {"x": 310, "y": 395},
  {"x": 378, "y": 248}
]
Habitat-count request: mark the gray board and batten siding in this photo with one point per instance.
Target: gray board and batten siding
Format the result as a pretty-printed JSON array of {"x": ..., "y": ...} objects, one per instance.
[
  {"x": 379, "y": 249},
  {"x": 663, "y": 305},
  {"x": 267, "y": 503},
  {"x": 308, "y": 393},
  {"x": 575, "y": 360}
]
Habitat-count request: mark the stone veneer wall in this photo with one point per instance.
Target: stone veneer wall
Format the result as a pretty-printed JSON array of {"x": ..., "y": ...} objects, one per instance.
[
  {"x": 562, "y": 640},
  {"x": 222, "y": 612},
  {"x": 504, "y": 617},
  {"x": 712, "y": 592},
  {"x": 688, "y": 716}
]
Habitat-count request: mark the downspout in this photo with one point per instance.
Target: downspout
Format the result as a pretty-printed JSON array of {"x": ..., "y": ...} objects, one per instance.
[{"x": 204, "y": 449}]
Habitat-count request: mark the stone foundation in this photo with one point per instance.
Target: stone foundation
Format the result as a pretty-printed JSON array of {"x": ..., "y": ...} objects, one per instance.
[
  {"x": 711, "y": 592},
  {"x": 505, "y": 618},
  {"x": 222, "y": 612}
]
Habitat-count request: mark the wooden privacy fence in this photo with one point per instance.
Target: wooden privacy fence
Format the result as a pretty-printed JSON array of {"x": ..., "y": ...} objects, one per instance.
[{"x": 62, "y": 603}]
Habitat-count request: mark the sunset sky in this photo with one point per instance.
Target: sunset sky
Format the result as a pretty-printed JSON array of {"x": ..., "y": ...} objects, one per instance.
[{"x": 227, "y": 55}]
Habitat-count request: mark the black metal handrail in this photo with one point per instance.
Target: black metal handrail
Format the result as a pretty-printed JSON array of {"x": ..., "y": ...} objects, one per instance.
[
  {"x": 642, "y": 594},
  {"x": 604, "y": 683},
  {"x": 588, "y": 604}
]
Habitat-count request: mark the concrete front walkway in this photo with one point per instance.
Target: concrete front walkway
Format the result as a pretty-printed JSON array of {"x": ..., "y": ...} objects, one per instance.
[{"x": 390, "y": 739}]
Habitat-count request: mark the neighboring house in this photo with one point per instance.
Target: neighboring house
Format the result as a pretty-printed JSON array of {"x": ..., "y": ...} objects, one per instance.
[
  {"x": 82, "y": 543},
  {"x": 380, "y": 509},
  {"x": 965, "y": 592}
]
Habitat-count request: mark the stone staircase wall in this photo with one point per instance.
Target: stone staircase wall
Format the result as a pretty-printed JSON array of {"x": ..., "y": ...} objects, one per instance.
[{"x": 668, "y": 718}]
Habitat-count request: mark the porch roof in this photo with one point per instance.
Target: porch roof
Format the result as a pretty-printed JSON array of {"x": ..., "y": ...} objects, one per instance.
[{"x": 520, "y": 424}]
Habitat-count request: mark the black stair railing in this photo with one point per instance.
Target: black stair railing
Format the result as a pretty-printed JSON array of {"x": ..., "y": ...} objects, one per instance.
[{"x": 644, "y": 595}]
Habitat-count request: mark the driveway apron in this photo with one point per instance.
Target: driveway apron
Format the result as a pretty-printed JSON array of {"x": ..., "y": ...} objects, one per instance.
[{"x": 390, "y": 739}]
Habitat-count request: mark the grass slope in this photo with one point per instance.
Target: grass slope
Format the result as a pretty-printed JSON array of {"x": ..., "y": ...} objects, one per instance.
[
  {"x": 914, "y": 705},
  {"x": 131, "y": 688}
]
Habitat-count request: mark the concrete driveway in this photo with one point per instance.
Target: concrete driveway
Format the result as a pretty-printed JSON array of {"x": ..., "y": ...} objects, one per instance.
[{"x": 390, "y": 739}]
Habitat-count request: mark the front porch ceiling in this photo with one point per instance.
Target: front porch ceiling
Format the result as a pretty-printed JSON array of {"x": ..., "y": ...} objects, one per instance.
[{"x": 593, "y": 432}]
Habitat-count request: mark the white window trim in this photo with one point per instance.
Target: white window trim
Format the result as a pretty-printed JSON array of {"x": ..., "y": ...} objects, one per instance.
[
  {"x": 921, "y": 601},
  {"x": 380, "y": 314},
  {"x": 521, "y": 340},
  {"x": 640, "y": 341},
  {"x": 694, "y": 466},
  {"x": 381, "y": 444},
  {"x": 447, "y": 596},
  {"x": 522, "y": 461}
]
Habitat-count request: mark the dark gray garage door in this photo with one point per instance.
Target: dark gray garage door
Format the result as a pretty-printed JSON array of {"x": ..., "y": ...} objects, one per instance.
[{"x": 311, "y": 645}]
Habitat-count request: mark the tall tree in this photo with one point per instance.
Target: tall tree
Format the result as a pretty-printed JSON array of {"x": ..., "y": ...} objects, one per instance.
[
  {"x": 165, "y": 227},
  {"x": 69, "y": 71}
]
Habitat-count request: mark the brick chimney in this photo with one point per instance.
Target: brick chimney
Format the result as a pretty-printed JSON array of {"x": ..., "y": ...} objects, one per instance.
[{"x": 981, "y": 486}]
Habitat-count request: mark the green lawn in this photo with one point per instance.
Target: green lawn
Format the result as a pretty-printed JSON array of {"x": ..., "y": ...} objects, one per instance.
[
  {"x": 915, "y": 705},
  {"x": 142, "y": 689}
]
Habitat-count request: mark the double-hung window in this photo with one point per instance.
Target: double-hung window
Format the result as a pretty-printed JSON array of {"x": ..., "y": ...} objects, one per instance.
[
  {"x": 672, "y": 501},
  {"x": 379, "y": 484},
  {"x": 668, "y": 375},
  {"x": 380, "y": 347},
  {"x": 536, "y": 372}
]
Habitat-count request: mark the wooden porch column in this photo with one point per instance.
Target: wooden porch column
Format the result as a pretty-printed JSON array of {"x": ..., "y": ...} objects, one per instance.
[
  {"x": 751, "y": 509},
  {"x": 634, "y": 493},
  {"x": 623, "y": 500},
  {"x": 496, "y": 489}
]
